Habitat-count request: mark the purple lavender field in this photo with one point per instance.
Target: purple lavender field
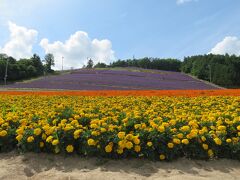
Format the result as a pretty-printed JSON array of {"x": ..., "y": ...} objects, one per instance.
[{"x": 120, "y": 79}]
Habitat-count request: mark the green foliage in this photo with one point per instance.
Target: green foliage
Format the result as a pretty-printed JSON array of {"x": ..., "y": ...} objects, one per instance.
[
  {"x": 150, "y": 63},
  {"x": 100, "y": 65},
  {"x": 90, "y": 63},
  {"x": 21, "y": 69},
  {"x": 49, "y": 62},
  {"x": 223, "y": 70}
]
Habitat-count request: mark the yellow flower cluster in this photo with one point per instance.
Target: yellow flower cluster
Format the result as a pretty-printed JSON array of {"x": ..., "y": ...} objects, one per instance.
[{"x": 152, "y": 127}]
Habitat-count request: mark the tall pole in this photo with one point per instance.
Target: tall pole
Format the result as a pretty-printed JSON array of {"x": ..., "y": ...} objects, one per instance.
[
  {"x": 5, "y": 77},
  {"x": 62, "y": 62}
]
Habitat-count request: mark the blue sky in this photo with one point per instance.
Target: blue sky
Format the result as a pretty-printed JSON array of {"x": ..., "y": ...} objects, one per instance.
[{"x": 122, "y": 28}]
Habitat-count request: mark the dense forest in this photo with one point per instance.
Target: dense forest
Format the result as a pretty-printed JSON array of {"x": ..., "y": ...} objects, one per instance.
[
  {"x": 150, "y": 63},
  {"x": 13, "y": 70},
  {"x": 223, "y": 70}
]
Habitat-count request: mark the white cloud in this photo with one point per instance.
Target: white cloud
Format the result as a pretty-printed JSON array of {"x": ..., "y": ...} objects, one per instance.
[
  {"x": 20, "y": 42},
  {"x": 184, "y": 1},
  {"x": 77, "y": 49},
  {"x": 229, "y": 44}
]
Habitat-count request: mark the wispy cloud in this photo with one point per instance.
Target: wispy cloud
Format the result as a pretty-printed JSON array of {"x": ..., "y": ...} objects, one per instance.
[{"x": 179, "y": 2}]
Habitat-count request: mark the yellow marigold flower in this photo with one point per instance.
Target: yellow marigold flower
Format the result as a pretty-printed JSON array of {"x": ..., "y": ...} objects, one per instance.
[
  {"x": 137, "y": 148},
  {"x": 20, "y": 131},
  {"x": 122, "y": 144},
  {"x": 203, "y": 138},
  {"x": 136, "y": 140},
  {"x": 77, "y": 132},
  {"x": 170, "y": 145},
  {"x": 121, "y": 135},
  {"x": 119, "y": 150},
  {"x": 103, "y": 130},
  {"x": 228, "y": 140},
  {"x": 55, "y": 142},
  {"x": 41, "y": 144},
  {"x": 185, "y": 141},
  {"x": 3, "y": 133},
  {"x": 210, "y": 153},
  {"x": 108, "y": 148},
  {"x": 91, "y": 142},
  {"x": 129, "y": 137},
  {"x": 149, "y": 143},
  {"x": 176, "y": 141},
  {"x": 69, "y": 148},
  {"x": 221, "y": 128},
  {"x": 94, "y": 133},
  {"x": 49, "y": 139},
  {"x": 161, "y": 128},
  {"x": 185, "y": 128},
  {"x": 44, "y": 136},
  {"x": 37, "y": 131},
  {"x": 218, "y": 141},
  {"x": 129, "y": 145},
  {"x": 19, "y": 137},
  {"x": 30, "y": 139},
  {"x": 93, "y": 126},
  {"x": 162, "y": 157},
  {"x": 238, "y": 127},
  {"x": 205, "y": 146},
  {"x": 180, "y": 135},
  {"x": 172, "y": 122}
]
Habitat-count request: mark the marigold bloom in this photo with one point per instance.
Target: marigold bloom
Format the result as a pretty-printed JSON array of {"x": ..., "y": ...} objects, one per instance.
[
  {"x": 170, "y": 145},
  {"x": 30, "y": 139},
  {"x": 205, "y": 146},
  {"x": 129, "y": 145},
  {"x": 69, "y": 148},
  {"x": 121, "y": 135},
  {"x": 185, "y": 141},
  {"x": 162, "y": 157},
  {"x": 55, "y": 142},
  {"x": 149, "y": 143},
  {"x": 37, "y": 131},
  {"x": 137, "y": 148},
  {"x": 108, "y": 148},
  {"x": 91, "y": 142},
  {"x": 3, "y": 133},
  {"x": 218, "y": 141}
]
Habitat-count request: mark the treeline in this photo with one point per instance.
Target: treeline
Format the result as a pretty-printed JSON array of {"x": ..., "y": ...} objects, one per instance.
[
  {"x": 24, "y": 68},
  {"x": 223, "y": 70},
  {"x": 147, "y": 63}
]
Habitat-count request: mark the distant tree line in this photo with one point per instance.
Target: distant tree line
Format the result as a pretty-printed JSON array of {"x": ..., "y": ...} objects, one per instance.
[
  {"x": 223, "y": 70},
  {"x": 24, "y": 68},
  {"x": 147, "y": 63}
]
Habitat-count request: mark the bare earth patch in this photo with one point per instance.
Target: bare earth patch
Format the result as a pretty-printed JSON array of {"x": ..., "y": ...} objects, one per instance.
[{"x": 49, "y": 166}]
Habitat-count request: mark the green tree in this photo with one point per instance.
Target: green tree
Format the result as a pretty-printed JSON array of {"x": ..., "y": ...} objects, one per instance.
[
  {"x": 90, "y": 63},
  {"x": 49, "y": 62},
  {"x": 100, "y": 65},
  {"x": 37, "y": 63}
]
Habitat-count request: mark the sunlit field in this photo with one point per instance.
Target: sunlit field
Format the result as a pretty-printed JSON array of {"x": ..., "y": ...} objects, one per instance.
[{"x": 155, "y": 127}]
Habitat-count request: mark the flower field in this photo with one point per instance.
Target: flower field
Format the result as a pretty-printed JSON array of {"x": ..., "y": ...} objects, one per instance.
[
  {"x": 115, "y": 79},
  {"x": 153, "y": 127}
]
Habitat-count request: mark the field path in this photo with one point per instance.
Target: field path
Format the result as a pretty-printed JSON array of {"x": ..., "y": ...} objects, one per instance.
[{"x": 58, "y": 167}]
